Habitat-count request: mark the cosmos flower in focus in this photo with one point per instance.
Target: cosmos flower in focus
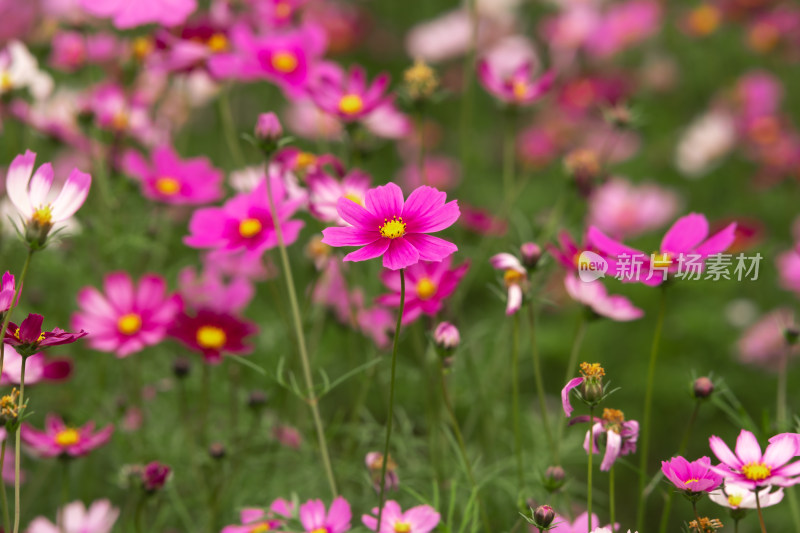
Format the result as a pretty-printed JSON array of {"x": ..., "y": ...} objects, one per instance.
[
  {"x": 620, "y": 436},
  {"x": 419, "y": 519},
  {"x": 60, "y": 439},
  {"x": 695, "y": 476},
  {"x": 28, "y": 338},
  {"x": 752, "y": 469}
]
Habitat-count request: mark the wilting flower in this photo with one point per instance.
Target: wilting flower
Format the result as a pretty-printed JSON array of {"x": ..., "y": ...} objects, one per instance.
[
  {"x": 213, "y": 334},
  {"x": 347, "y": 95},
  {"x": 419, "y": 519},
  {"x": 325, "y": 191},
  {"x": 735, "y": 496},
  {"x": 7, "y": 291},
  {"x": 336, "y": 520},
  {"x": 518, "y": 88},
  {"x": 61, "y": 439},
  {"x": 591, "y": 381},
  {"x": 37, "y": 368},
  {"x": 245, "y": 221},
  {"x": 255, "y": 520},
  {"x": 621, "y": 436},
  {"x": 28, "y": 338},
  {"x": 127, "y": 15},
  {"x": 624, "y": 210},
  {"x": 427, "y": 286},
  {"x": 388, "y": 226},
  {"x": 166, "y": 178},
  {"x": 76, "y": 518},
  {"x": 30, "y": 195},
  {"x": 697, "y": 476},
  {"x": 593, "y": 295},
  {"x": 126, "y": 318},
  {"x": 749, "y": 468},
  {"x": 515, "y": 278},
  {"x": 374, "y": 462}
]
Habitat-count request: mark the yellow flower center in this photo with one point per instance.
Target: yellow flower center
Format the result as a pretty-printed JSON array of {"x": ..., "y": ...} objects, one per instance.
[
  {"x": 167, "y": 185},
  {"x": 425, "y": 289},
  {"x": 354, "y": 197},
  {"x": 120, "y": 120},
  {"x": 690, "y": 481},
  {"x": 513, "y": 277},
  {"x": 129, "y": 324},
  {"x": 211, "y": 337},
  {"x": 661, "y": 260},
  {"x": 6, "y": 84},
  {"x": 320, "y": 530},
  {"x": 285, "y": 62},
  {"x": 67, "y": 437},
  {"x": 305, "y": 160},
  {"x": 393, "y": 228},
  {"x": 613, "y": 416},
  {"x": 217, "y": 43},
  {"x": 734, "y": 500},
  {"x": 351, "y": 104},
  {"x": 756, "y": 471},
  {"x": 402, "y": 527},
  {"x": 520, "y": 89},
  {"x": 250, "y": 227},
  {"x": 704, "y": 19},
  {"x": 260, "y": 528},
  {"x": 142, "y": 47},
  {"x": 592, "y": 370},
  {"x": 43, "y": 216}
]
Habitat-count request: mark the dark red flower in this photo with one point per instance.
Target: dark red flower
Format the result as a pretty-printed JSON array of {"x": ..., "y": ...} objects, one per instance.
[
  {"x": 212, "y": 333},
  {"x": 28, "y": 337}
]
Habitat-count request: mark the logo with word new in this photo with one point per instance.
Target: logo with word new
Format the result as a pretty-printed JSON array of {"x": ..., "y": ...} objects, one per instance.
[{"x": 591, "y": 266}]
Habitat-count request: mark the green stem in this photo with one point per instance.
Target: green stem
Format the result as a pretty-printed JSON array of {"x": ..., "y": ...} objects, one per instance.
[
  {"x": 790, "y": 491},
  {"x": 648, "y": 408},
  {"x": 229, "y": 128},
  {"x": 515, "y": 404},
  {"x": 696, "y": 516},
  {"x": 681, "y": 451},
  {"x": 508, "y": 157},
  {"x": 64, "y": 493},
  {"x": 760, "y": 514},
  {"x": 611, "y": 503},
  {"x": 589, "y": 470},
  {"x": 18, "y": 447},
  {"x": 301, "y": 342},
  {"x": 233, "y": 376},
  {"x": 469, "y": 88},
  {"x": 736, "y": 526},
  {"x": 571, "y": 364},
  {"x": 395, "y": 342},
  {"x": 421, "y": 130},
  {"x": 537, "y": 374},
  {"x": 7, "y": 318},
  {"x": 137, "y": 518},
  {"x": 4, "y": 501},
  {"x": 781, "y": 396}
]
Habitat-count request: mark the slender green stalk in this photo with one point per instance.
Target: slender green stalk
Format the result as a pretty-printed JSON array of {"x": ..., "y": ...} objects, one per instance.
[
  {"x": 736, "y": 526},
  {"x": 648, "y": 409},
  {"x": 611, "y": 502},
  {"x": 4, "y": 501},
  {"x": 589, "y": 470},
  {"x": 537, "y": 374},
  {"x": 696, "y": 516},
  {"x": 468, "y": 87},
  {"x": 781, "y": 395},
  {"x": 571, "y": 364},
  {"x": 18, "y": 286},
  {"x": 18, "y": 447},
  {"x": 508, "y": 157},
  {"x": 64, "y": 493},
  {"x": 229, "y": 127},
  {"x": 681, "y": 451},
  {"x": 421, "y": 130},
  {"x": 301, "y": 343},
  {"x": 137, "y": 518},
  {"x": 515, "y": 403},
  {"x": 395, "y": 342},
  {"x": 760, "y": 514}
]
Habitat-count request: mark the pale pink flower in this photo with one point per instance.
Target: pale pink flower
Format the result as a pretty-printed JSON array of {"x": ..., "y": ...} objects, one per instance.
[
  {"x": 76, "y": 518},
  {"x": 593, "y": 295},
  {"x": 419, "y": 519},
  {"x": 625, "y": 210},
  {"x": 126, "y": 14}
]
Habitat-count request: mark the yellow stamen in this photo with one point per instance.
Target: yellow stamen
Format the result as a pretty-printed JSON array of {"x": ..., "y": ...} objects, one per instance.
[
  {"x": 285, "y": 62},
  {"x": 734, "y": 500},
  {"x": 260, "y": 528},
  {"x": 305, "y": 160},
  {"x": 756, "y": 471},
  {"x": 168, "y": 185},
  {"x": 704, "y": 19},
  {"x": 67, "y": 437},
  {"x": 211, "y": 337},
  {"x": 129, "y": 324},
  {"x": 6, "y": 84},
  {"x": 613, "y": 416},
  {"x": 393, "y": 228},
  {"x": 689, "y": 481},
  {"x": 425, "y": 289},
  {"x": 351, "y": 104},
  {"x": 402, "y": 527},
  {"x": 354, "y": 197},
  {"x": 250, "y": 227},
  {"x": 513, "y": 277},
  {"x": 320, "y": 530},
  {"x": 43, "y": 216},
  {"x": 593, "y": 370},
  {"x": 217, "y": 43},
  {"x": 661, "y": 260},
  {"x": 520, "y": 89},
  {"x": 142, "y": 47},
  {"x": 120, "y": 120}
]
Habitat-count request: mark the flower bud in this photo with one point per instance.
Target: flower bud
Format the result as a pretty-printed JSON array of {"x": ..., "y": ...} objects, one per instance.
[
  {"x": 268, "y": 128},
  {"x": 543, "y": 516},
  {"x": 216, "y": 450},
  {"x": 703, "y": 387},
  {"x": 593, "y": 391},
  {"x": 257, "y": 399},
  {"x": 618, "y": 116},
  {"x": 446, "y": 336},
  {"x": 531, "y": 253},
  {"x": 181, "y": 367},
  {"x": 554, "y": 478},
  {"x": 791, "y": 333},
  {"x": 154, "y": 476}
]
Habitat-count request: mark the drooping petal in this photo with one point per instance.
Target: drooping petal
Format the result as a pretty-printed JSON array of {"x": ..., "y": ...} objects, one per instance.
[
  {"x": 514, "y": 299},
  {"x": 613, "y": 446},
  {"x": 565, "y": 395}
]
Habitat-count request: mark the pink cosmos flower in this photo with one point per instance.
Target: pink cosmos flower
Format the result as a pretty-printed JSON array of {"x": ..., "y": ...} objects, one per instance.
[
  {"x": 60, "y": 439},
  {"x": 519, "y": 88},
  {"x": 750, "y": 468},
  {"x": 687, "y": 237},
  {"x": 388, "y": 122},
  {"x": 482, "y": 221},
  {"x": 245, "y": 221},
  {"x": 441, "y": 172},
  {"x": 37, "y": 368},
  {"x": 764, "y": 343},
  {"x": 347, "y": 95},
  {"x": 569, "y": 252},
  {"x": 735, "y": 496},
  {"x": 121, "y": 113},
  {"x": 620, "y": 436},
  {"x": 515, "y": 278},
  {"x": 76, "y": 518},
  {"x": 788, "y": 264},
  {"x": 623, "y": 25},
  {"x": 126, "y": 14},
  {"x": 593, "y": 295},
  {"x": 213, "y": 334},
  {"x": 69, "y": 51},
  {"x": 167, "y": 178},
  {"x": 325, "y": 191},
  {"x": 386, "y": 225},
  {"x": 28, "y": 338},
  {"x": 580, "y": 525},
  {"x": 126, "y": 318},
  {"x": 428, "y": 284},
  {"x": 419, "y": 519},
  {"x": 336, "y": 520},
  {"x": 7, "y": 291},
  {"x": 260, "y": 520},
  {"x": 29, "y": 194},
  {"x": 624, "y": 210},
  {"x": 211, "y": 290},
  {"x": 697, "y": 476}
]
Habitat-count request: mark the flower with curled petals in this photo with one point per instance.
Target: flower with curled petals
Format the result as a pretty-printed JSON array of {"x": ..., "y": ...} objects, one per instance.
[{"x": 388, "y": 226}]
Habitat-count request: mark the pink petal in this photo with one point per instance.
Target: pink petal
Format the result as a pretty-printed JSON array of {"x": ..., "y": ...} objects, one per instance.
[
  {"x": 385, "y": 201},
  {"x": 565, "y": 395},
  {"x": 17, "y": 178},
  {"x": 607, "y": 245},
  {"x": 430, "y": 248},
  {"x": 723, "y": 453},
  {"x": 40, "y": 185},
  {"x": 354, "y": 214},
  {"x": 370, "y": 251},
  {"x": 719, "y": 242},
  {"x": 400, "y": 254},
  {"x": 119, "y": 291},
  {"x": 685, "y": 234},
  {"x": 747, "y": 447},
  {"x": 349, "y": 236},
  {"x": 72, "y": 196},
  {"x": 613, "y": 446}
]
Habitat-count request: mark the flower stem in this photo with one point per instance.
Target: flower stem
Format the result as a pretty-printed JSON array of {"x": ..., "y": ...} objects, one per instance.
[
  {"x": 64, "y": 494},
  {"x": 515, "y": 404},
  {"x": 18, "y": 285},
  {"x": 781, "y": 396},
  {"x": 508, "y": 157},
  {"x": 421, "y": 132},
  {"x": 229, "y": 127},
  {"x": 589, "y": 470},
  {"x": 760, "y": 514},
  {"x": 301, "y": 342},
  {"x": 696, "y": 516},
  {"x": 18, "y": 447},
  {"x": 681, "y": 451},
  {"x": 468, "y": 86},
  {"x": 611, "y": 503},
  {"x": 537, "y": 374},
  {"x": 6, "y": 516},
  {"x": 137, "y": 518},
  {"x": 395, "y": 342},
  {"x": 648, "y": 408}
]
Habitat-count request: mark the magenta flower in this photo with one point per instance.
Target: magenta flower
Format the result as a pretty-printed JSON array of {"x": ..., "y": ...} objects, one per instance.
[
  {"x": 125, "y": 14},
  {"x": 325, "y": 191},
  {"x": 37, "y": 368},
  {"x": 624, "y": 25},
  {"x": 245, "y": 221},
  {"x": 568, "y": 252},
  {"x": 154, "y": 475},
  {"x": 687, "y": 237},
  {"x": 620, "y": 436},
  {"x": 427, "y": 286},
  {"x": 517, "y": 88},
  {"x": 76, "y": 518},
  {"x": 60, "y": 439},
  {"x": 254, "y": 520},
  {"x": 213, "y": 334},
  {"x": 126, "y": 318},
  {"x": 697, "y": 476},
  {"x": 30, "y": 194},
  {"x": 347, "y": 95},
  {"x": 166, "y": 178},
  {"x": 594, "y": 296},
  {"x": 28, "y": 338},
  {"x": 419, "y": 519},
  {"x": 788, "y": 264},
  {"x": 336, "y": 520},
  {"x": 515, "y": 278},
  {"x": 388, "y": 226},
  {"x": 750, "y": 468},
  {"x": 7, "y": 290}
]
